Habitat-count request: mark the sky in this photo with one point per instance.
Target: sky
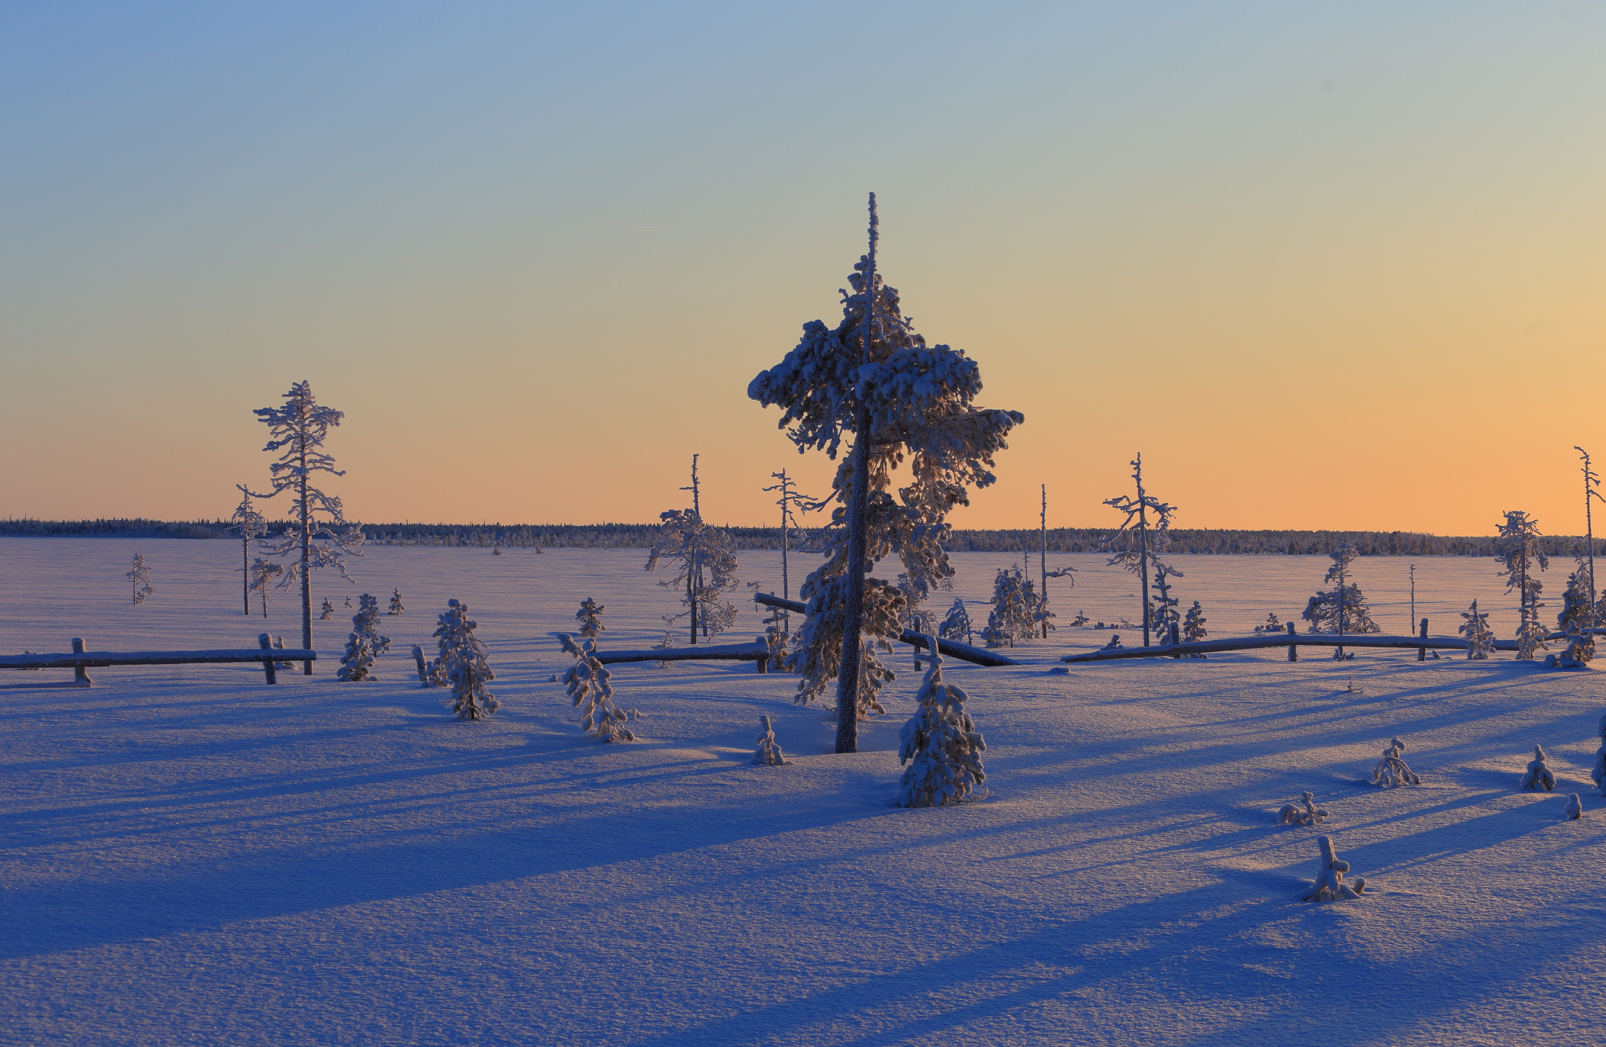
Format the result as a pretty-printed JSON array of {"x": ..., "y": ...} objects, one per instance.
[{"x": 1324, "y": 266}]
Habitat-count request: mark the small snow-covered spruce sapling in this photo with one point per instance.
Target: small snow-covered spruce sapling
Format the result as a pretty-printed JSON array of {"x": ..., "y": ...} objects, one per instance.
[
  {"x": 1302, "y": 812},
  {"x": 1521, "y": 558},
  {"x": 1538, "y": 774},
  {"x": 1013, "y": 618},
  {"x": 1139, "y": 539},
  {"x": 464, "y": 664},
  {"x": 1575, "y": 807},
  {"x": 364, "y": 644},
  {"x": 956, "y": 624},
  {"x": 263, "y": 572},
  {"x": 139, "y": 577},
  {"x": 1330, "y": 885},
  {"x": 769, "y": 752},
  {"x": 1392, "y": 770},
  {"x": 396, "y": 603},
  {"x": 589, "y": 685},
  {"x": 905, "y": 405},
  {"x": 1272, "y": 624},
  {"x": 327, "y": 612},
  {"x": 1343, "y": 609},
  {"x": 1115, "y": 642},
  {"x": 590, "y": 617},
  {"x": 1480, "y": 638},
  {"x": 298, "y": 428},
  {"x": 1193, "y": 627},
  {"x": 941, "y": 745},
  {"x": 1580, "y": 649}
]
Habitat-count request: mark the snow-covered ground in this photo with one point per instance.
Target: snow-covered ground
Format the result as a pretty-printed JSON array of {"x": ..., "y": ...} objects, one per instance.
[{"x": 191, "y": 856}]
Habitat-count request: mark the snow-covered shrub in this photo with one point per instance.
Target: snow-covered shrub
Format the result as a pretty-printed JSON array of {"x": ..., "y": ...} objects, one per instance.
[
  {"x": 396, "y": 603},
  {"x": 1344, "y": 609},
  {"x": 1580, "y": 649},
  {"x": 591, "y": 690},
  {"x": 1140, "y": 540},
  {"x": 769, "y": 750},
  {"x": 956, "y": 625},
  {"x": 1575, "y": 807},
  {"x": 1302, "y": 812},
  {"x": 365, "y": 644},
  {"x": 1115, "y": 642},
  {"x": 139, "y": 577},
  {"x": 463, "y": 663},
  {"x": 941, "y": 745},
  {"x": 1518, "y": 551},
  {"x": 299, "y": 428},
  {"x": 1577, "y": 602},
  {"x": 1193, "y": 627},
  {"x": 1013, "y": 617},
  {"x": 1080, "y": 620},
  {"x": 327, "y": 612},
  {"x": 1272, "y": 625},
  {"x": 1480, "y": 638},
  {"x": 1598, "y": 772},
  {"x": 1392, "y": 770},
  {"x": 1538, "y": 774},
  {"x": 590, "y": 617},
  {"x": 431, "y": 673},
  {"x": 263, "y": 572},
  {"x": 1164, "y": 614},
  {"x": 905, "y": 405},
  {"x": 1330, "y": 885}
]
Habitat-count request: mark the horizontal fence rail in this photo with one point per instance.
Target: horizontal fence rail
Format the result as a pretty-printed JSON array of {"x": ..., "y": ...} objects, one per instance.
[
  {"x": 757, "y": 651},
  {"x": 1293, "y": 641},
  {"x": 949, "y": 648},
  {"x": 80, "y": 659}
]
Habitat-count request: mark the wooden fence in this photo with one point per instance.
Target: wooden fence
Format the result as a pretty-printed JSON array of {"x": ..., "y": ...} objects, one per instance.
[
  {"x": 949, "y": 648},
  {"x": 79, "y": 659}
]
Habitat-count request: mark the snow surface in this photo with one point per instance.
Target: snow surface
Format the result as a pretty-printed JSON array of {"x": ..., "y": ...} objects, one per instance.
[{"x": 188, "y": 855}]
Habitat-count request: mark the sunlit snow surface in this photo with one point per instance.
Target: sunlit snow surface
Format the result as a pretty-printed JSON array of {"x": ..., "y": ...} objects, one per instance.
[{"x": 191, "y": 856}]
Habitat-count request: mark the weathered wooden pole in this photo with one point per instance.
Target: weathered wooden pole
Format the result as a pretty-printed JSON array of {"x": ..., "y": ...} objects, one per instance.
[
  {"x": 266, "y": 643},
  {"x": 1143, "y": 545},
  {"x": 1293, "y": 652},
  {"x": 79, "y": 676},
  {"x": 1422, "y": 652}
]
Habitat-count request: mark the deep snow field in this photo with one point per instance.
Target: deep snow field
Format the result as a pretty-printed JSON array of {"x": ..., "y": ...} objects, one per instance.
[{"x": 188, "y": 855}]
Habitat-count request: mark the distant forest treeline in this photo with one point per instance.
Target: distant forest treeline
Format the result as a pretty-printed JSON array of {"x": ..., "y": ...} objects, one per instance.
[{"x": 641, "y": 536}]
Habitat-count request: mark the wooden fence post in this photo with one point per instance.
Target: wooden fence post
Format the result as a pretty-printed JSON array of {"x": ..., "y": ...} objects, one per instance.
[
  {"x": 1422, "y": 652},
  {"x": 1175, "y": 637},
  {"x": 1293, "y": 652},
  {"x": 266, "y": 643},
  {"x": 78, "y": 675},
  {"x": 764, "y": 663}
]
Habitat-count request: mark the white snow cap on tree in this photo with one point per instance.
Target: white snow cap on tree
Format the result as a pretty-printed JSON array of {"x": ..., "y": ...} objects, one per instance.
[
  {"x": 1538, "y": 775},
  {"x": 1302, "y": 812},
  {"x": 1391, "y": 770},
  {"x": 463, "y": 661},
  {"x": 1480, "y": 638},
  {"x": 589, "y": 685},
  {"x": 1330, "y": 885},
  {"x": 1575, "y": 807},
  {"x": 940, "y": 744},
  {"x": 364, "y": 644},
  {"x": 769, "y": 750}
]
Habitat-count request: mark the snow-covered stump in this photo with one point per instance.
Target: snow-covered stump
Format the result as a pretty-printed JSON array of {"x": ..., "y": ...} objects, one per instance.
[
  {"x": 1330, "y": 885},
  {"x": 589, "y": 688},
  {"x": 1302, "y": 812},
  {"x": 1538, "y": 775},
  {"x": 1393, "y": 771},
  {"x": 431, "y": 673},
  {"x": 769, "y": 752},
  {"x": 1575, "y": 807},
  {"x": 464, "y": 664},
  {"x": 941, "y": 745}
]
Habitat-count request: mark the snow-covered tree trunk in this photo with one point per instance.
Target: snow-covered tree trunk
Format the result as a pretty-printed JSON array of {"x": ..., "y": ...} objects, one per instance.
[
  {"x": 1136, "y": 525},
  {"x": 249, "y": 525},
  {"x": 1330, "y": 885}
]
